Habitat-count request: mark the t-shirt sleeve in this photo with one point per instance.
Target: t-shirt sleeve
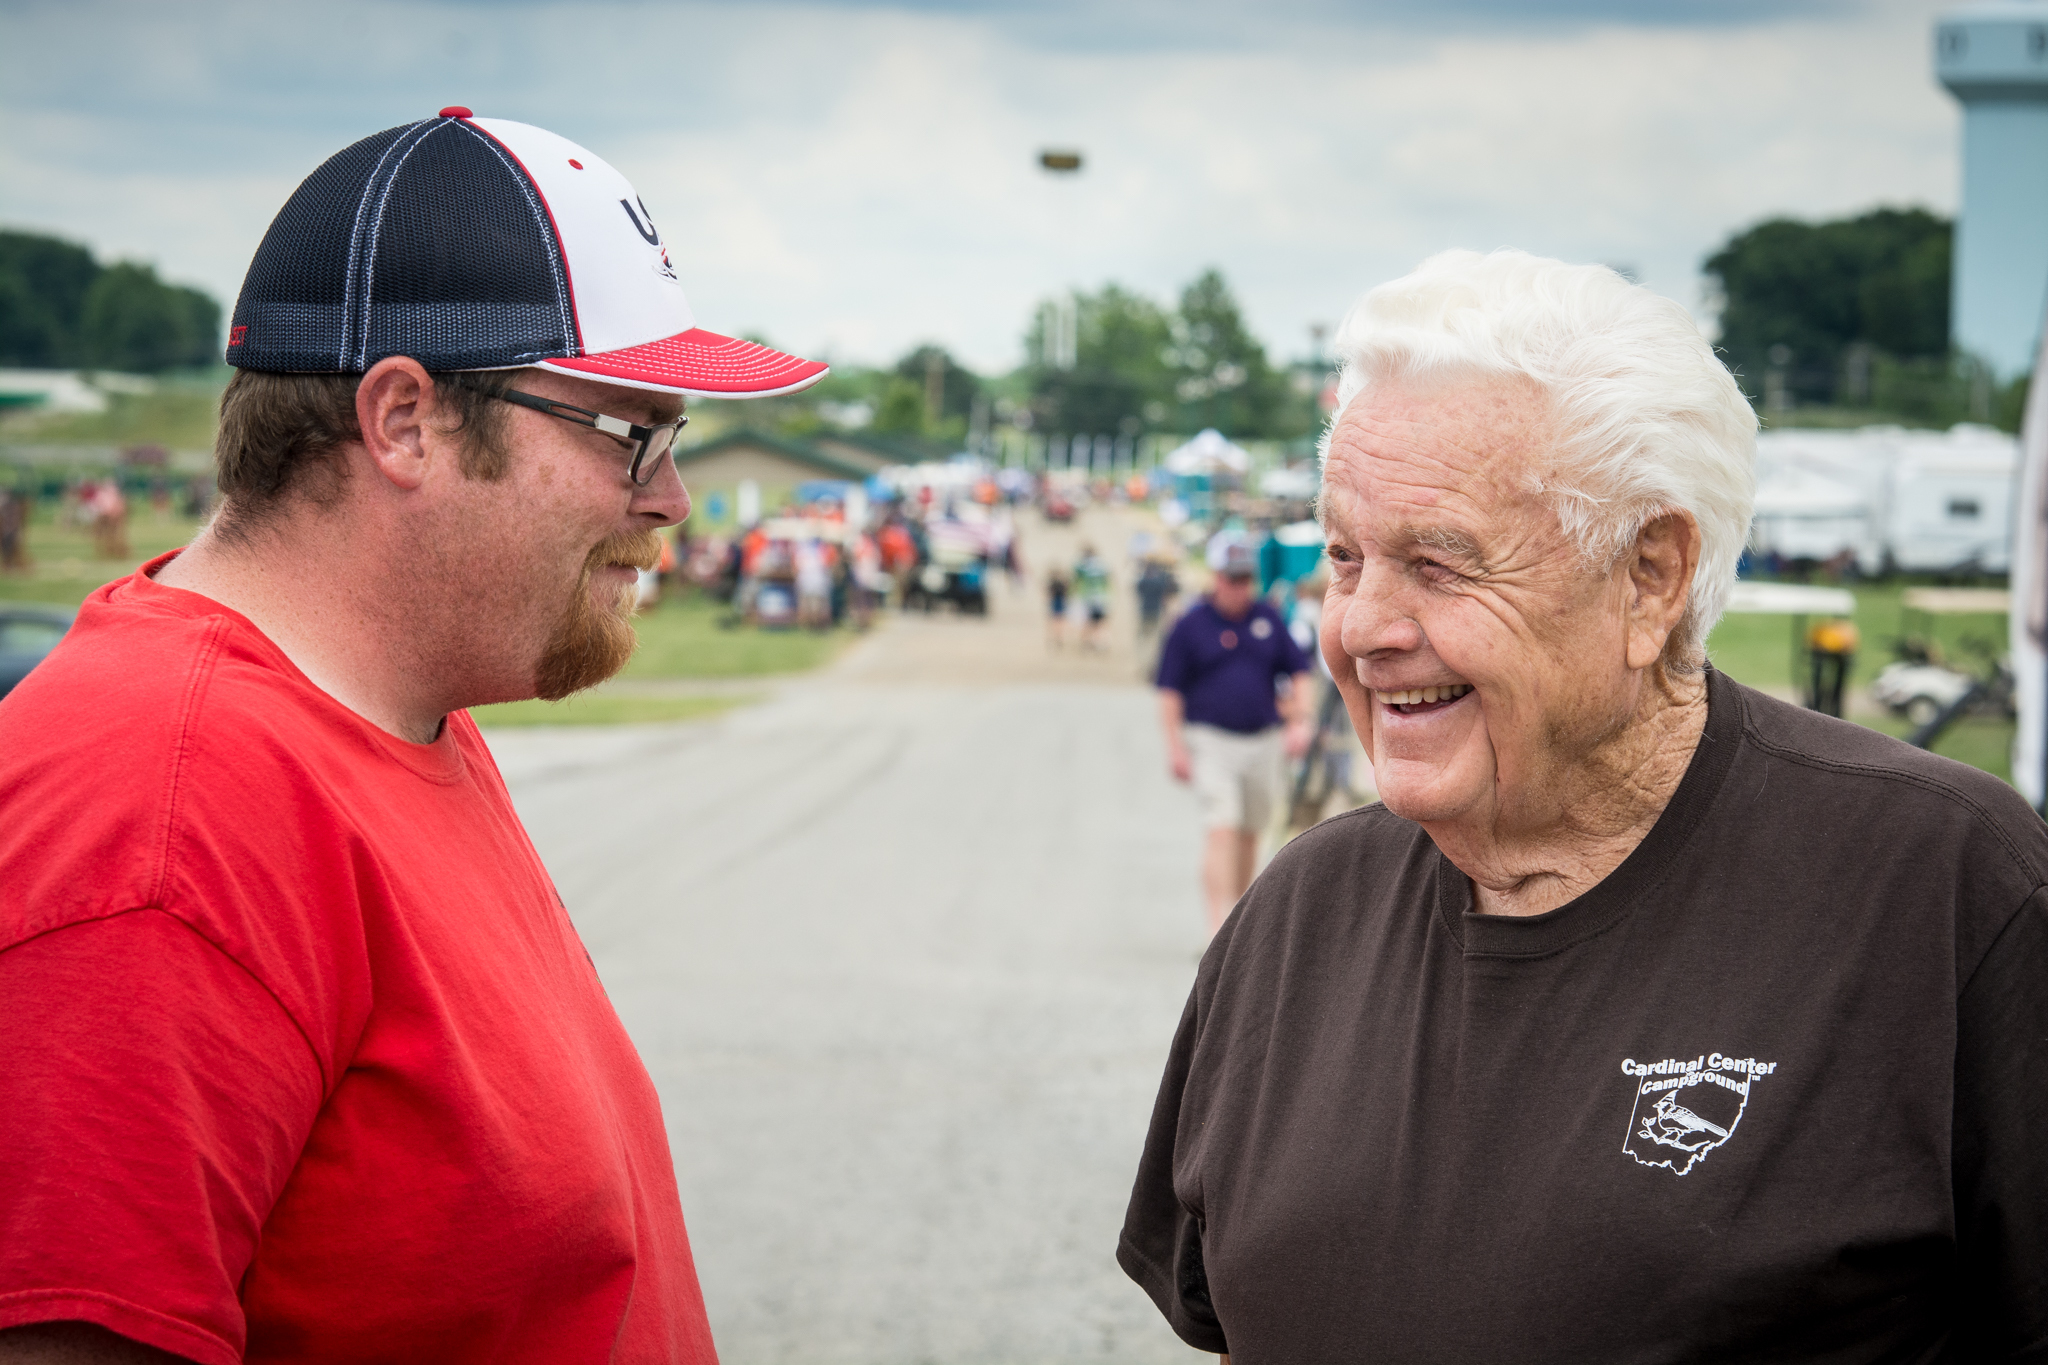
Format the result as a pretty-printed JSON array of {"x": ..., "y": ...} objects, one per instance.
[
  {"x": 2000, "y": 1157},
  {"x": 1176, "y": 660},
  {"x": 1161, "y": 1246},
  {"x": 155, "y": 1100}
]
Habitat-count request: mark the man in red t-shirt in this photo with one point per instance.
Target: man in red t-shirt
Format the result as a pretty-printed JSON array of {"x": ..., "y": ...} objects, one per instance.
[{"x": 300, "y": 1055}]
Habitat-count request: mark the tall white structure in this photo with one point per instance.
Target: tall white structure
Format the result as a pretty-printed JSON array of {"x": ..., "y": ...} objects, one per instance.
[{"x": 1993, "y": 57}]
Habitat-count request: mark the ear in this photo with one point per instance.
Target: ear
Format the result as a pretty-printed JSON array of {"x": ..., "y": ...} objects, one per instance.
[
  {"x": 394, "y": 411},
  {"x": 1660, "y": 570}
]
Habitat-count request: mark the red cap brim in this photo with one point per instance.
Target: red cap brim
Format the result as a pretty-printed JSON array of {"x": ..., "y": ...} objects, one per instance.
[{"x": 700, "y": 363}]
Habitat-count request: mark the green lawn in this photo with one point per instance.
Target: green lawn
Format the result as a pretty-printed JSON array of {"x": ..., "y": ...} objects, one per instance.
[
  {"x": 683, "y": 638},
  {"x": 64, "y": 566},
  {"x": 1757, "y": 649},
  {"x": 181, "y": 413}
]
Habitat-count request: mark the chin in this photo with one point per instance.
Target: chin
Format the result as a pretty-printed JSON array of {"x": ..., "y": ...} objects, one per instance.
[{"x": 1426, "y": 793}]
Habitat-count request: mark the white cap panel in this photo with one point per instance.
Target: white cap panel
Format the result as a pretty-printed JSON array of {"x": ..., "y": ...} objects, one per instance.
[{"x": 625, "y": 285}]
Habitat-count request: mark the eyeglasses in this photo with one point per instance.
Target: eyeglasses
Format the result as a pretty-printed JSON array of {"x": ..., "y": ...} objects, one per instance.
[{"x": 650, "y": 445}]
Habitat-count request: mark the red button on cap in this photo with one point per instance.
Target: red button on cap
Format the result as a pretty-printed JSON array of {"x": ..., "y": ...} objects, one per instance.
[{"x": 455, "y": 111}]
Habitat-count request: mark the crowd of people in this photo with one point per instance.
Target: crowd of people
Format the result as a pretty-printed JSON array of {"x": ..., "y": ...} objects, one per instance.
[{"x": 814, "y": 566}]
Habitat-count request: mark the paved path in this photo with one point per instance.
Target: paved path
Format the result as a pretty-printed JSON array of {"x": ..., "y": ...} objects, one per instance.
[{"x": 903, "y": 947}]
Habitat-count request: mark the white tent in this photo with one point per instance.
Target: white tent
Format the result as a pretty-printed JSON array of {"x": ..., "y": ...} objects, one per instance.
[
  {"x": 1291, "y": 481},
  {"x": 1209, "y": 453}
]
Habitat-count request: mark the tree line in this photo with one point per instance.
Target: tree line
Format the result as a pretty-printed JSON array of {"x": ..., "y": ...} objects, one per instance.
[
  {"x": 1112, "y": 362},
  {"x": 1848, "y": 316},
  {"x": 61, "y": 309},
  {"x": 1851, "y": 313}
]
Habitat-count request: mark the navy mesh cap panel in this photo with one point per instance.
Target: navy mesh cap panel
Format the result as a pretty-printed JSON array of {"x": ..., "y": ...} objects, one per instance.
[{"x": 427, "y": 241}]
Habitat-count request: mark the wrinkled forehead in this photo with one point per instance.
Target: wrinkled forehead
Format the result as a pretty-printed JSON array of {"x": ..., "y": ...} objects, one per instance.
[{"x": 1462, "y": 454}]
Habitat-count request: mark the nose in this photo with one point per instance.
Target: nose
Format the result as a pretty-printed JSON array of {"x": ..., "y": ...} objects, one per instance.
[
  {"x": 1375, "y": 620},
  {"x": 663, "y": 497}
]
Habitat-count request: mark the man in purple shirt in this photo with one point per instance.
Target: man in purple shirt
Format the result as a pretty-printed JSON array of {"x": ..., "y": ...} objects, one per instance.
[{"x": 1218, "y": 697}]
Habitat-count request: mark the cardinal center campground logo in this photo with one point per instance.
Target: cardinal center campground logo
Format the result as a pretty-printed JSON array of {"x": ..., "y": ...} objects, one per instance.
[{"x": 1685, "y": 1109}]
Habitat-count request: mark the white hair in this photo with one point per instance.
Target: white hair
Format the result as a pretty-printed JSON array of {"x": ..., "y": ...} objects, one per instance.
[{"x": 1648, "y": 420}]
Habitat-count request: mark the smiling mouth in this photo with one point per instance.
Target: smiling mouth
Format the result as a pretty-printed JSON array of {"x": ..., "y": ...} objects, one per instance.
[{"x": 1420, "y": 701}]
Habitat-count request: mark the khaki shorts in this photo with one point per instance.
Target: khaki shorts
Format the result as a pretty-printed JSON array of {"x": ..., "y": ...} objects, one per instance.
[{"x": 1237, "y": 776}]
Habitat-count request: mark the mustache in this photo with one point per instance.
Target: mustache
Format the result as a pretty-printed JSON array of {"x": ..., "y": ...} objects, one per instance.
[{"x": 641, "y": 549}]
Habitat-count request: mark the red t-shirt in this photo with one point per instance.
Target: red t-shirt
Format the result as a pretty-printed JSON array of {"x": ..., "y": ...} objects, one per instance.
[{"x": 300, "y": 1056}]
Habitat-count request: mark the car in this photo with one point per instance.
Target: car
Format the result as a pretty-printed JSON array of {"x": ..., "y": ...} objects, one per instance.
[{"x": 28, "y": 632}]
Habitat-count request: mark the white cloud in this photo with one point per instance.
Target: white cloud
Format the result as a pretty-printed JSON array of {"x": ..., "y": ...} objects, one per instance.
[{"x": 855, "y": 180}]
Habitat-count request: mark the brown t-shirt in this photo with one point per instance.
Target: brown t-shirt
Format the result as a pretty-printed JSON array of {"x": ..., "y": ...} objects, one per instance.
[{"x": 1776, "y": 1089}]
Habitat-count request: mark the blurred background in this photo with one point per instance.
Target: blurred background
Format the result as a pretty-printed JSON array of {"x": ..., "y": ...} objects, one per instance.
[{"x": 905, "y": 905}]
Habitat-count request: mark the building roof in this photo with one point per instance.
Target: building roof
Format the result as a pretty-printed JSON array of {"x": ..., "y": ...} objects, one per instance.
[
  {"x": 802, "y": 452},
  {"x": 897, "y": 448}
]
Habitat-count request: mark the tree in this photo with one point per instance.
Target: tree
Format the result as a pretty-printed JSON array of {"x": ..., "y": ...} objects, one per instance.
[
  {"x": 1120, "y": 378},
  {"x": 1879, "y": 281},
  {"x": 43, "y": 283},
  {"x": 935, "y": 375},
  {"x": 901, "y": 409},
  {"x": 134, "y": 321},
  {"x": 59, "y": 307},
  {"x": 1221, "y": 376},
  {"x": 1139, "y": 367}
]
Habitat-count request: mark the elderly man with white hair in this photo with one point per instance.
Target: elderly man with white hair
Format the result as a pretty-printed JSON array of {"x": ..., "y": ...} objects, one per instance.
[{"x": 1649, "y": 1018}]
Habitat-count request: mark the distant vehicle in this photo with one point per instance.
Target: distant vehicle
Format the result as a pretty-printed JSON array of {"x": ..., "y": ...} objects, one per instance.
[
  {"x": 1919, "y": 692},
  {"x": 965, "y": 587},
  {"x": 27, "y": 633}
]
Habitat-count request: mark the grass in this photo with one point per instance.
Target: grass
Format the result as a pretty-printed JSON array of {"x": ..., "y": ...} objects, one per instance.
[
  {"x": 180, "y": 414},
  {"x": 1757, "y": 649},
  {"x": 1980, "y": 741},
  {"x": 682, "y": 638},
  {"x": 603, "y": 709},
  {"x": 64, "y": 566}
]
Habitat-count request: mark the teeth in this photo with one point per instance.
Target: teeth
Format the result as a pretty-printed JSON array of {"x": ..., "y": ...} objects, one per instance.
[{"x": 1417, "y": 695}]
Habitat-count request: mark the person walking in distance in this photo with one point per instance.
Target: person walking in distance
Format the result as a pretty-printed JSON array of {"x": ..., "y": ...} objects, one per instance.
[
  {"x": 1156, "y": 587},
  {"x": 1091, "y": 586},
  {"x": 1220, "y": 676},
  {"x": 301, "y": 1056},
  {"x": 1056, "y": 608}
]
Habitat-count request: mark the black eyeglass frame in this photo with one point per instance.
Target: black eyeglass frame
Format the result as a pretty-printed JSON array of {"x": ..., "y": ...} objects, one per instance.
[{"x": 640, "y": 439}]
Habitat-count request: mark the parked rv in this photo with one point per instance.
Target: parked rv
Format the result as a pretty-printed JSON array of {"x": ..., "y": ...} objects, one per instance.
[{"x": 1887, "y": 498}]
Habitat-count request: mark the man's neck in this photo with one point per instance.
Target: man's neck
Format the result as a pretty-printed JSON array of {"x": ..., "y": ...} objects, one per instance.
[
  {"x": 1587, "y": 821},
  {"x": 302, "y": 584},
  {"x": 1240, "y": 614}
]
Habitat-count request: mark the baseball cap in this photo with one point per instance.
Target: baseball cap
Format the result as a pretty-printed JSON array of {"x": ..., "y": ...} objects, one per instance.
[
  {"x": 479, "y": 244},
  {"x": 1232, "y": 555}
]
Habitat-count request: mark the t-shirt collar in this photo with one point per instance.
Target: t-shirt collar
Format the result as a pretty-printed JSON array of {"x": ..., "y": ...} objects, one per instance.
[
  {"x": 439, "y": 761},
  {"x": 1629, "y": 885}
]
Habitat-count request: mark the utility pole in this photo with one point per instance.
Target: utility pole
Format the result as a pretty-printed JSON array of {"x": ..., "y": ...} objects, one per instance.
[{"x": 934, "y": 387}]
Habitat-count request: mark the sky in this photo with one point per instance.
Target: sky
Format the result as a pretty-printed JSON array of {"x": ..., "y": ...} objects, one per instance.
[{"x": 852, "y": 179}]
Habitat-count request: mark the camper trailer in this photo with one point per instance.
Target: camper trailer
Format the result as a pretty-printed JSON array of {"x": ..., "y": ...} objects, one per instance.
[
  {"x": 1950, "y": 504},
  {"x": 1895, "y": 500}
]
